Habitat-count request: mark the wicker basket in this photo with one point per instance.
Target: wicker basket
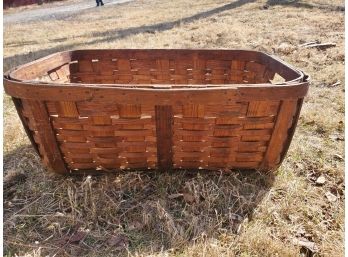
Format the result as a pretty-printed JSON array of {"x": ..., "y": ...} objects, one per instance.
[{"x": 103, "y": 110}]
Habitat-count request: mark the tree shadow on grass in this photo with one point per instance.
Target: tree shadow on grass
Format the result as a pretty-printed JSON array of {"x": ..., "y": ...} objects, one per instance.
[
  {"x": 19, "y": 59},
  {"x": 115, "y": 34},
  {"x": 312, "y": 5},
  {"x": 138, "y": 211}
]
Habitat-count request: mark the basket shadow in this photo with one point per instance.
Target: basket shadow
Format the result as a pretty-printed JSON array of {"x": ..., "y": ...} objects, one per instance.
[{"x": 137, "y": 212}]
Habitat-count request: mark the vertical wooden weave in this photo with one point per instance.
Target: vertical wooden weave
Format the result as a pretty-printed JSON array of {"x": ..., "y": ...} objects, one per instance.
[
  {"x": 147, "y": 109},
  {"x": 164, "y": 133},
  {"x": 43, "y": 134},
  {"x": 278, "y": 140}
]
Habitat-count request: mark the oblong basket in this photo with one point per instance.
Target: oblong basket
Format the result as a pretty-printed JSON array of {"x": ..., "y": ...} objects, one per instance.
[{"x": 104, "y": 110}]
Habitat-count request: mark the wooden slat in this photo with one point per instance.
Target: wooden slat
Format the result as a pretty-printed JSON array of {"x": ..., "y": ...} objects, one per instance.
[
  {"x": 254, "y": 138},
  {"x": 191, "y": 154},
  {"x": 101, "y": 120},
  {"x": 280, "y": 134},
  {"x": 189, "y": 164},
  {"x": 164, "y": 133},
  {"x": 67, "y": 109},
  {"x": 129, "y": 111},
  {"x": 140, "y": 155},
  {"x": 135, "y": 133},
  {"x": 47, "y": 136},
  {"x": 19, "y": 107},
  {"x": 181, "y": 119},
  {"x": 221, "y": 95},
  {"x": 82, "y": 165},
  {"x": 233, "y": 164},
  {"x": 291, "y": 130},
  {"x": 193, "y": 126},
  {"x": 105, "y": 150},
  {"x": 193, "y": 110},
  {"x": 77, "y": 139},
  {"x": 71, "y": 120},
  {"x": 262, "y": 108},
  {"x": 66, "y": 150}
]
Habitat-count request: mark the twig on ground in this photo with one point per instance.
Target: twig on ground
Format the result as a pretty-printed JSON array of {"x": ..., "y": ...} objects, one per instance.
[
  {"x": 309, "y": 43},
  {"x": 335, "y": 84},
  {"x": 318, "y": 45}
]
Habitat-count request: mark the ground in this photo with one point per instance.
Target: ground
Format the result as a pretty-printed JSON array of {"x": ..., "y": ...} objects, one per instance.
[
  {"x": 53, "y": 11},
  {"x": 299, "y": 211}
]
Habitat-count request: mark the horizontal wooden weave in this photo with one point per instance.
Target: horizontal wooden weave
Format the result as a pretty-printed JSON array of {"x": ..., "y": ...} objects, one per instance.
[{"x": 76, "y": 128}]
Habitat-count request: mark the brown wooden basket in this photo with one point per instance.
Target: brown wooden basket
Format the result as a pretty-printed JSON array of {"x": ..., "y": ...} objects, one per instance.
[{"x": 107, "y": 110}]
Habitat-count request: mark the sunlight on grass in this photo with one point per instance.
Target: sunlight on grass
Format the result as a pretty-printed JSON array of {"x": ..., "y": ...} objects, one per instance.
[{"x": 187, "y": 214}]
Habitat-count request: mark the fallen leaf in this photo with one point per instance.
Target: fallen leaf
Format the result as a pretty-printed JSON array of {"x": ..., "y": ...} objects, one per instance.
[
  {"x": 118, "y": 241},
  {"x": 331, "y": 197},
  {"x": 189, "y": 198},
  {"x": 136, "y": 225},
  {"x": 320, "y": 180},
  {"x": 61, "y": 241},
  {"x": 304, "y": 242},
  {"x": 75, "y": 238}
]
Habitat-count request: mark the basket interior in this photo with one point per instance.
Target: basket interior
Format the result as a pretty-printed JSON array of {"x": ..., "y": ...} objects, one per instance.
[{"x": 162, "y": 67}]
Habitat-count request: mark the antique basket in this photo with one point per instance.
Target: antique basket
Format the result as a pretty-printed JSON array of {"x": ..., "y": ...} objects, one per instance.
[{"x": 105, "y": 110}]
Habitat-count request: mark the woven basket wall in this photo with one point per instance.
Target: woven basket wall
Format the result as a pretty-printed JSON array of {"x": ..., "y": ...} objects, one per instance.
[{"x": 105, "y": 110}]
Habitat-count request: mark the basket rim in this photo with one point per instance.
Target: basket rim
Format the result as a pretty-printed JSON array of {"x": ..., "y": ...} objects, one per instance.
[{"x": 302, "y": 80}]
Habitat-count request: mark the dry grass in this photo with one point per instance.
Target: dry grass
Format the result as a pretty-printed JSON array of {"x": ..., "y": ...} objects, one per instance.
[
  {"x": 187, "y": 214},
  {"x": 55, "y": 3}
]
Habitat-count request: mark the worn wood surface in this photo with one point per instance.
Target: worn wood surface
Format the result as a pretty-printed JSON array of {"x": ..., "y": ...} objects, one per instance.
[{"x": 164, "y": 134}]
